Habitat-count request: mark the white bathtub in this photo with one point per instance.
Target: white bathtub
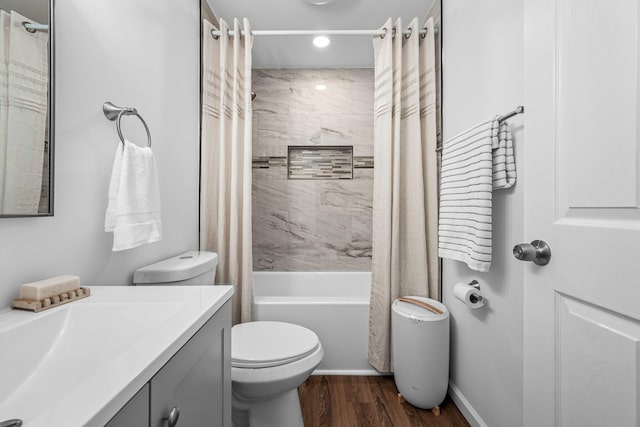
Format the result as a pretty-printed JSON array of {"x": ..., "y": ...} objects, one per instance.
[{"x": 333, "y": 305}]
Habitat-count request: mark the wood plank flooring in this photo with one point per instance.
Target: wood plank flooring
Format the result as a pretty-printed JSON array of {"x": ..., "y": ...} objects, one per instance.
[{"x": 354, "y": 401}]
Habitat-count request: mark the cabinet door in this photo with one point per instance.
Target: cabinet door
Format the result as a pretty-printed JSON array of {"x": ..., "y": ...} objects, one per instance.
[
  {"x": 135, "y": 413},
  {"x": 197, "y": 379}
]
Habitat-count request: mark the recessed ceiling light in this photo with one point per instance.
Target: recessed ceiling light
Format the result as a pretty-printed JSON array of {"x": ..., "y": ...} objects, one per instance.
[
  {"x": 321, "y": 41},
  {"x": 321, "y": 87}
]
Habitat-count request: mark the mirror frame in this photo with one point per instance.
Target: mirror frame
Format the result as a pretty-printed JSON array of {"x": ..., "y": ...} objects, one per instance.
[{"x": 51, "y": 121}]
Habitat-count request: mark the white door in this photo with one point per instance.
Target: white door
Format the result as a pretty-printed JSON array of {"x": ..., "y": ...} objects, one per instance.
[{"x": 582, "y": 196}]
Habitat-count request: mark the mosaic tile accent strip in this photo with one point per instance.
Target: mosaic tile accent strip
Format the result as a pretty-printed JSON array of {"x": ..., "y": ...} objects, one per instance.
[
  {"x": 266, "y": 162},
  {"x": 278, "y": 161},
  {"x": 363, "y": 162},
  {"x": 323, "y": 162},
  {"x": 260, "y": 163}
]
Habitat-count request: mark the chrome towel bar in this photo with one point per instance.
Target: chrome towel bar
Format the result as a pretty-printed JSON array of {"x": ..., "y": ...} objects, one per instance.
[{"x": 519, "y": 110}]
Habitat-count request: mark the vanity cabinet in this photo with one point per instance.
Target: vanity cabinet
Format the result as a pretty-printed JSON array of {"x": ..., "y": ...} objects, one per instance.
[
  {"x": 196, "y": 381},
  {"x": 135, "y": 412}
]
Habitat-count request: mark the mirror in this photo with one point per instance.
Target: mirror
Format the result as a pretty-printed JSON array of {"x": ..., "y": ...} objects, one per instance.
[{"x": 26, "y": 117}]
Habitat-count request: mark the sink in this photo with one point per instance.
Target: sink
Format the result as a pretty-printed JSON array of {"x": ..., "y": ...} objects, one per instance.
[
  {"x": 72, "y": 341},
  {"x": 83, "y": 360}
]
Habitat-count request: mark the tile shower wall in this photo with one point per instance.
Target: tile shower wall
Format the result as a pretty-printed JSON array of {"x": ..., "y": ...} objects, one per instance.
[{"x": 312, "y": 224}]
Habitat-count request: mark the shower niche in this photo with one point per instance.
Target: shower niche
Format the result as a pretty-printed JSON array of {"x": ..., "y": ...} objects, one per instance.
[{"x": 333, "y": 162}]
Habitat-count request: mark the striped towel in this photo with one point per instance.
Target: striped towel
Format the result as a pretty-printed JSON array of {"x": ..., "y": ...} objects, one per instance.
[
  {"x": 504, "y": 166},
  {"x": 473, "y": 163}
]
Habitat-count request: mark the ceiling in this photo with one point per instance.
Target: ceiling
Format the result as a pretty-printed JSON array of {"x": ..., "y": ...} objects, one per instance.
[
  {"x": 299, "y": 51},
  {"x": 36, "y": 10}
]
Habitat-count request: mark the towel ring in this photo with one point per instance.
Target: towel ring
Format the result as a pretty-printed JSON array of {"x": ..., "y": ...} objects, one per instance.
[{"x": 115, "y": 113}]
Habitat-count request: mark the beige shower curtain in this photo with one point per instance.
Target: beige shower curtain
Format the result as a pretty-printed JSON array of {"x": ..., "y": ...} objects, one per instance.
[
  {"x": 24, "y": 86},
  {"x": 225, "y": 183},
  {"x": 405, "y": 199}
]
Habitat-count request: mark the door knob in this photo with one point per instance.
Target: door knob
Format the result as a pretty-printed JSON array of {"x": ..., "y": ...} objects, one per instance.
[{"x": 537, "y": 251}]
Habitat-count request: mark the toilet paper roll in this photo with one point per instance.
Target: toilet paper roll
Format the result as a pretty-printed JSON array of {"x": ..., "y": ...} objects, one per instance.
[{"x": 468, "y": 295}]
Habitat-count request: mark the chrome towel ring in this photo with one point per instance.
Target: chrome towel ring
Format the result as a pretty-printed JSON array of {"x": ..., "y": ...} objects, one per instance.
[{"x": 113, "y": 112}]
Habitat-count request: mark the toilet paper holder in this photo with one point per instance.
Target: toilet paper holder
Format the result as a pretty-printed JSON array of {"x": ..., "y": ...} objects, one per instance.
[{"x": 475, "y": 298}]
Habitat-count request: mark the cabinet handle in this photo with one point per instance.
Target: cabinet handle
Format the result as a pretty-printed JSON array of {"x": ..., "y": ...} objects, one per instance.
[{"x": 172, "y": 418}]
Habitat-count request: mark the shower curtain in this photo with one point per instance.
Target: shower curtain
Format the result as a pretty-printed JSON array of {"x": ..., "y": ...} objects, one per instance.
[
  {"x": 405, "y": 201},
  {"x": 225, "y": 173},
  {"x": 24, "y": 80}
]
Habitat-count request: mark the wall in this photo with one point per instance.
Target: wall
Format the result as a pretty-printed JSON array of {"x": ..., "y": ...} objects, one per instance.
[
  {"x": 482, "y": 77},
  {"x": 312, "y": 224},
  {"x": 145, "y": 54}
]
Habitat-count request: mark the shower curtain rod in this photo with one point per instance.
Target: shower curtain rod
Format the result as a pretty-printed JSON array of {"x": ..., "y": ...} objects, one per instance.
[
  {"x": 381, "y": 32},
  {"x": 32, "y": 28}
]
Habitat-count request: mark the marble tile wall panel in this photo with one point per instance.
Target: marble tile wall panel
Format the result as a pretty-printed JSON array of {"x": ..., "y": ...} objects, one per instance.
[{"x": 312, "y": 225}]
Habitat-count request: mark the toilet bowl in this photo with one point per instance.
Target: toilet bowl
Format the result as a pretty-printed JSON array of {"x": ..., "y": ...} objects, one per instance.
[{"x": 269, "y": 360}]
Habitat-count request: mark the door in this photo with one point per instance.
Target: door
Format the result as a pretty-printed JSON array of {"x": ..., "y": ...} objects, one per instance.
[{"x": 582, "y": 310}]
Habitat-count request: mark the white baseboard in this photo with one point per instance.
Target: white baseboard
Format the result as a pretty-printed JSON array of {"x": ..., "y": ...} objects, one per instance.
[
  {"x": 354, "y": 372},
  {"x": 465, "y": 407}
]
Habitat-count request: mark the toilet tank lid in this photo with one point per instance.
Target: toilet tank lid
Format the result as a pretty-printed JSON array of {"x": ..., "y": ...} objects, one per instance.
[{"x": 180, "y": 267}]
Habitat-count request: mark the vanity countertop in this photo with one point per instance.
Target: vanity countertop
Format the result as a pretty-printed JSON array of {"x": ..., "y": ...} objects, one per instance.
[{"x": 79, "y": 363}]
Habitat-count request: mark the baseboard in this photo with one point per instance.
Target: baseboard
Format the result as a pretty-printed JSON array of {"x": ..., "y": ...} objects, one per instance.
[
  {"x": 354, "y": 372},
  {"x": 465, "y": 407}
]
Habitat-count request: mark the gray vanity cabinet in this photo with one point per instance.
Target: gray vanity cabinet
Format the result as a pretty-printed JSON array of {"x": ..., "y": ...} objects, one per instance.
[
  {"x": 135, "y": 412},
  {"x": 196, "y": 381}
]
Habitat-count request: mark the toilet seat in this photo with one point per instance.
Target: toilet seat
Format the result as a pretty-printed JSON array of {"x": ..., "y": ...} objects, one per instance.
[{"x": 265, "y": 344}]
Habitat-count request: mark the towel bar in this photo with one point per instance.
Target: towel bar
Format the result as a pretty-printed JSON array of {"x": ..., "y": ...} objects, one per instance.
[
  {"x": 519, "y": 110},
  {"x": 113, "y": 112}
]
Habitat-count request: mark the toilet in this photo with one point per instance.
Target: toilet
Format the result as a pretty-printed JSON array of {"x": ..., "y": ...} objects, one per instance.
[{"x": 269, "y": 360}]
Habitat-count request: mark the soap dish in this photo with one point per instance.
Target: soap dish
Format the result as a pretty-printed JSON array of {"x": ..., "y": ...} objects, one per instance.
[{"x": 54, "y": 301}]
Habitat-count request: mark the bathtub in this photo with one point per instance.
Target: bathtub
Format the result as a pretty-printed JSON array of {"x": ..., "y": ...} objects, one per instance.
[{"x": 333, "y": 305}]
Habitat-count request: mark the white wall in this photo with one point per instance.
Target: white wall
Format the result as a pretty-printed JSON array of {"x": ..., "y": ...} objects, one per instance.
[
  {"x": 483, "y": 76},
  {"x": 143, "y": 53}
]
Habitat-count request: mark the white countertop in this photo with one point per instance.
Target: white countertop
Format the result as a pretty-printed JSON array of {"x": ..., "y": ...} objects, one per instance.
[{"x": 79, "y": 363}]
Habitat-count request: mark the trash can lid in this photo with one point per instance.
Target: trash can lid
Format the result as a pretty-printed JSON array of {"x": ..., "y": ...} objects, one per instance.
[{"x": 421, "y": 308}]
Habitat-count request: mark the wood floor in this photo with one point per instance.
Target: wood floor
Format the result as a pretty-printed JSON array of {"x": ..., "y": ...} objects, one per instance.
[{"x": 350, "y": 401}]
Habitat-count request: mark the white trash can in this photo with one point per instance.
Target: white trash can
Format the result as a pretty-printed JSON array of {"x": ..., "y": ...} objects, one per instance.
[{"x": 420, "y": 348}]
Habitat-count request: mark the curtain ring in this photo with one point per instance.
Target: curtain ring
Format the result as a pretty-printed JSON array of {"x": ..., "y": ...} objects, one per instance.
[
  {"x": 28, "y": 29},
  {"x": 423, "y": 35},
  {"x": 385, "y": 33},
  {"x": 393, "y": 33},
  {"x": 214, "y": 36},
  {"x": 132, "y": 112},
  {"x": 407, "y": 36}
]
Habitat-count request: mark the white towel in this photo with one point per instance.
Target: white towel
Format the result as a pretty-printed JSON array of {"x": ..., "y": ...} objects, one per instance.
[
  {"x": 504, "y": 166},
  {"x": 133, "y": 211},
  {"x": 474, "y": 162}
]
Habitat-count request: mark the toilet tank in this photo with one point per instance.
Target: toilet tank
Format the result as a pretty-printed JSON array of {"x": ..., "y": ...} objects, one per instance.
[{"x": 189, "y": 268}]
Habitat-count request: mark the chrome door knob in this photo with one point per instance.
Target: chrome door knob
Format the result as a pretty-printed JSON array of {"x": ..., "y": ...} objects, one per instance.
[{"x": 537, "y": 251}]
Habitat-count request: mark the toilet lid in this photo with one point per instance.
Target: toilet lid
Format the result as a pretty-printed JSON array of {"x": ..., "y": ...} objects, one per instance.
[{"x": 264, "y": 344}]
